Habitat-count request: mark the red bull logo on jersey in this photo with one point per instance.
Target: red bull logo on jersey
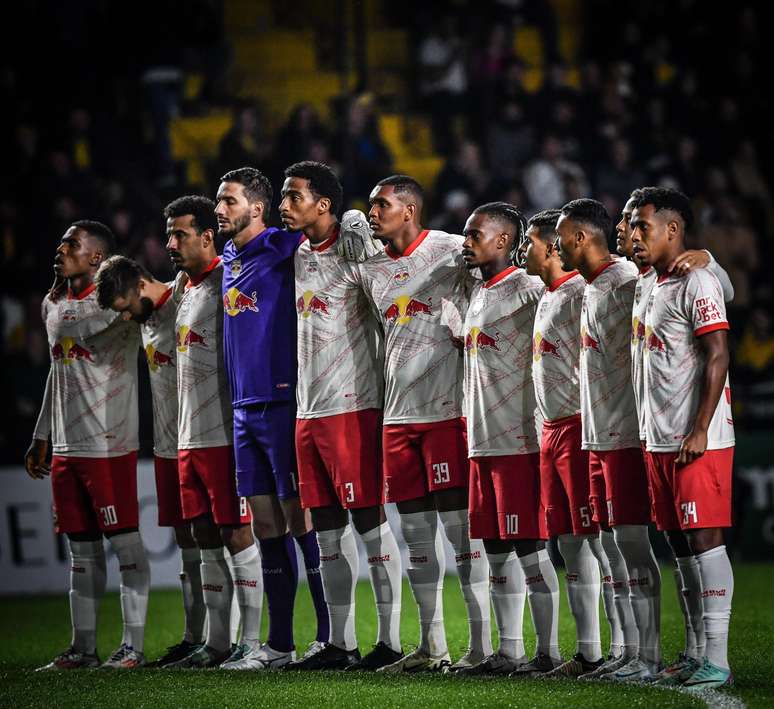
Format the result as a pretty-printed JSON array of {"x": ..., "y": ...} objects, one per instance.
[
  {"x": 401, "y": 276},
  {"x": 67, "y": 351},
  {"x": 405, "y": 307},
  {"x": 157, "y": 359},
  {"x": 186, "y": 337},
  {"x": 588, "y": 342},
  {"x": 311, "y": 303},
  {"x": 235, "y": 302},
  {"x": 542, "y": 346},
  {"x": 477, "y": 340},
  {"x": 638, "y": 330},
  {"x": 653, "y": 343}
]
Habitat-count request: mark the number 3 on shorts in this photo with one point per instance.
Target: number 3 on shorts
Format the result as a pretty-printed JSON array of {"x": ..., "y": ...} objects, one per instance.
[
  {"x": 350, "y": 488},
  {"x": 440, "y": 473}
]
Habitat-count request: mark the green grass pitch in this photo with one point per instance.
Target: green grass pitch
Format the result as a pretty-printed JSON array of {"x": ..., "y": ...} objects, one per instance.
[{"x": 34, "y": 629}]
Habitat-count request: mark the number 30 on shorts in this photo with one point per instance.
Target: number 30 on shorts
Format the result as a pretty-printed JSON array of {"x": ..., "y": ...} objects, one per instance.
[
  {"x": 440, "y": 473},
  {"x": 109, "y": 516}
]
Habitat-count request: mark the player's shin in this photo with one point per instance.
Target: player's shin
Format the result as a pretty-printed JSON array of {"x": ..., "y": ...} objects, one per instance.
[
  {"x": 543, "y": 596},
  {"x": 621, "y": 598},
  {"x": 218, "y": 592},
  {"x": 425, "y": 574},
  {"x": 248, "y": 592},
  {"x": 280, "y": 580},
  {"x": 87, "y": 586},
  {"x": 339, "y": 567},
  {"x": 508, "y": 597},
  {"x": 310, "y": 551},
  {"x": 691, "y": 596},
  {"x": 193, "y": 600},
  {"x": 473, "y": 574},
  {"x": 583, "y": 585},
  {"x": 717, "y": 580},
  {"x": 384, "y": 568},
  {"x": 644, "y": 589},
  {"x": 608, "y": 597},
  {"x": 135, "y": 586}
]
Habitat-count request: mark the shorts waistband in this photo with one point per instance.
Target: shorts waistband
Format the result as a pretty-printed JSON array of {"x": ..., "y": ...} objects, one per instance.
[{"x": 556, "y": 423}]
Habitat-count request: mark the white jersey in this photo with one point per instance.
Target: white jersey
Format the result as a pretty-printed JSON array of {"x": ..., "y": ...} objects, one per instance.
[
  {"x": 499, "y": 393},
  {"x": 159, "y": 341},
  {"x": 340, "y": 355},
  {"x": 420, "y": 297},
  {"x": 556, "y": 348},
  {"x": 645, "y": 282},
  {"x": 608, "y": 411},
  {"x": 679, "y": 311},
  {"x": 205, "y": 417},
  {"x": 91, "y": 396}
]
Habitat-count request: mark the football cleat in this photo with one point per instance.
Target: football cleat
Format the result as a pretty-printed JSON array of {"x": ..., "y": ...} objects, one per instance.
[
  {"x": 708, "y": 676},
  {"x": 124, "y": 658},
  {"x": 381, "y": 655},
  {"x": 262, "y": 657},
  {"x": 675, "y": 674},
  {"x": 314, "y": 647},
  {"x": 468, "y": 660},
  {"x": 329, "y": 658},
  {"x": 237, "y": 653},
  {"x": 418, "y": 661},
  {"x": 494, "y": 664},
  {"x": 203, "y": 658},
  {"x": 610, "y": 664},
  {"x": 71, "y": 659},
  {"x": 174, "y": 653},
  {"x": 576, "y": 666},
  {"x": 538, "y": 666},
  {"x": 633, "y": 671}
]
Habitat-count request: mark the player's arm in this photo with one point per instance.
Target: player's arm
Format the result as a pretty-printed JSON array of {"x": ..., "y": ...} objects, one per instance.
[
  {"x": 35, "y": 458},
  {"x": 715, "y": 347},
  {"x": 701, "y": 258}
]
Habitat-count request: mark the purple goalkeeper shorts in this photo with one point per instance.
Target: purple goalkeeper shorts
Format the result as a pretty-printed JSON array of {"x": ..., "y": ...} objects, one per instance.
[{"x": 264, "y": 448}]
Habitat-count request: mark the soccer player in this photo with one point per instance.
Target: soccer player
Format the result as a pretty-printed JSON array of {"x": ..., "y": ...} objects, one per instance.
[
  {"x": 504, "y": 508},
  {"x": 564, "y": 466},
  {"x": 259, "y": 334},
  {"x": 205, "y": 448},
  {"x": 419, "y": 288},
  {"x": 90, "y": 412},
  {"x": 125, "y": 286},
  {"x": 617, "y": 478},
  {"x": 338, "y": 431},
  {"x": 688, "y": 425}
]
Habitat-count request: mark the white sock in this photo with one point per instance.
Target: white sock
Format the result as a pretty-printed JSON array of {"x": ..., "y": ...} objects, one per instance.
[
  {"x": 644, "y": 589},
  {"x": 425, "y": 574},
  {"x": 235, "y": 615},
  {"x": 623, "y": 604},
  {"x": 384, "y": 568},
  {"x": 135, "y": 586},
  {"x": 87, "y": 586},
  {"x": 473, "y": 573},
  {"x": 193, "y": 601},
  {"x": 608, "y": 597},
  {"x": 508, "y": 595},
  {"x": 248, "y": 592},
  {"x": 691, "y": 595},
  {"x": 338, "y": 568},
  {"x": 543, "y": 596},
  {"x": 717, "y": 581},
  {"x": 582, "y": 593},
  {"x": 218, "y": 591}
]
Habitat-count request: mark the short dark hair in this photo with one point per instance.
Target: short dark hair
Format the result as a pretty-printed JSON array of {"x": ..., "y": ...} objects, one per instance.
[
  {"x": 322, "y": 181},
  {"x": 256, "y": 185},
  {"x": 101, "y": 232},
  {"x": 200, "y": 208},
  {"x": 590, "y": 212},
  {"x": 505, "y": 212},
  {"x": 403, "y": 184},
  {"x": 666, "y": 198},
  {"x": 115, "y": 277},
  {"x": 545, "y": 223}
]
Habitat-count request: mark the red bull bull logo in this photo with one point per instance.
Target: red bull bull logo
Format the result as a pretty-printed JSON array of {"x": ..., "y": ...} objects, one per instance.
[
  {"x": 404, "y": 308},
  {"x": 310, "y": 303},
  {"x": 638, "y": 330},
  {"x": 653, "y": 342},
  {"x": 401, "y": 276},
  {"x": 477, "y": 339},
  {"x": 588, "y": 342},
  {"x": 67, "y": 350},
  {"x": 186, "y": 337},
  {"x": 541, "y": 346},
  {"x": 235, "y": 302},
  {"x": 157, "y": 359}
]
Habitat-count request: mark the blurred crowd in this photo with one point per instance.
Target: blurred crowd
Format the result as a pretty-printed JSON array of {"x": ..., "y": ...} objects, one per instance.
[{"x": 671, "y": 93}]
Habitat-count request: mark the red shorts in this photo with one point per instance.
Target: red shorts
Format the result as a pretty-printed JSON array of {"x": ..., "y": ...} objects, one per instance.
[
  {"x": 423, "y": 457},
  {"x": 94, "y": 494},
  {"x": 564, "y": 478},
  {"x": 693, "y": 496},
  {"x": 168, "y": 492},
  {"x": 618, "y": 487},
  {"x": 505, "y": 497},
  {"x": 340, "y": 460},
  {"x": 208, "y": 486}
]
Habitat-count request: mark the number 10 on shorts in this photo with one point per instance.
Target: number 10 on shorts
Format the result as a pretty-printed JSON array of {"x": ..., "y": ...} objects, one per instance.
[
  {"x": 511, "y": 524},
  {"x": 440, "y": 473}
]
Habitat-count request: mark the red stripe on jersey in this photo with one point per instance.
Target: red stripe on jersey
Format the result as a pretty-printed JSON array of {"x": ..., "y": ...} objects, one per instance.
[{"x": 711, "y": 328}]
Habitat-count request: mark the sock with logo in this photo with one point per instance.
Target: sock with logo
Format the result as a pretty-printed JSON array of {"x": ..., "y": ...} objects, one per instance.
[
  {"x": 87, "y": 586},
  {"x": 339, "y": 568},
  {"x": 717, "y": 582},
  {"x": 508, "y": 591},
  {"x": 384, "y": 568},
  {"x": 218, "y": 592},
  {"x": 248, "y": 591},
  {"x": 543, "y": 596},
  {"x": 310, "y": 550},
  {"x": 623, "y": 604},
  {"x": 280, "y": 581},
  {"x": 608, "y": 598},
  {"x": 691, "y": 596},
  {"x": 135, "y": 586},
  {"x": 193, "y": 600}
]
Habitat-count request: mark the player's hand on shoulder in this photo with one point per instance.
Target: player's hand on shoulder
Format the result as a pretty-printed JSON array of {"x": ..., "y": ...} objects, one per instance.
[
  {"x": 356, "y": 242},
  {"x": 689, "y": 260},
  {"x": 693, "y": 447},
  {"x": 35, "y": 459}
]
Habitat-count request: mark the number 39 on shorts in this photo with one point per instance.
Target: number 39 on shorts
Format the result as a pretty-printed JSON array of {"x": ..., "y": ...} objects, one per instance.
[{"x": 440, "y": 473}]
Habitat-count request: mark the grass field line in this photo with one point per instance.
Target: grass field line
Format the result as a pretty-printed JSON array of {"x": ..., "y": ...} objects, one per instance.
[{"x": 711, "y": 697}]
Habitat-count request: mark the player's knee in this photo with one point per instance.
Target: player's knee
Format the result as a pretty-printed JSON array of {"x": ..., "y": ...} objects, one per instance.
[
  {"x": 524, "y": 547},
  {"x": 326, "y": 518},
  {"x": 367, "y": 518},
  {"x": 184, "y": 537},
  {"x": 205, "y": 533}
]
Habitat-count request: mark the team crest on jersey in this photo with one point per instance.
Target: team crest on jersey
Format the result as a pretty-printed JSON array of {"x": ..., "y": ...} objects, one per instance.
[
  {"x": 157, "y": 359},
  {"x": 311, "y": 303},
  {"x": 235, "y": 302},
  {"x": 70, "y": 315},
  {"x": 406, "y": 307},
  {"x": 67, "y": 350},
  {"x": 236, "y": 267},
  {"x": 186, "y": 337},
  {"x": 477, "y": 340},
  {"x": 311, "y": 267},
  {"x": 401, "y": 276},
  {"x": 542, "y": 346}
]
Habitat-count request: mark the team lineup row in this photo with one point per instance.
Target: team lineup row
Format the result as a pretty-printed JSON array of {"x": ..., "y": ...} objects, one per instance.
[{"x": 508, "y": 385}]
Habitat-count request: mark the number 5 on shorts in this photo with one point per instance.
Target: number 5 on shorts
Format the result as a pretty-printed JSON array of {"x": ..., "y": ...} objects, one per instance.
[{"x": 440, "y": 473}]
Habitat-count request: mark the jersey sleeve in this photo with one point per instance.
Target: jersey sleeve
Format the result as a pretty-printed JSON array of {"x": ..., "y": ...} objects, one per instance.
[
  {"x": 703, "y": 303},
  {"x": 43, "y": 424}
]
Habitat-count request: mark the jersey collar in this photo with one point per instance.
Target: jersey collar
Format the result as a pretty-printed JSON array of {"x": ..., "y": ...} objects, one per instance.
[
  {"x": 193, "y": 282},
  {"x": 500, "y": 276},
  {"x": 410, "y": 250},
  {"x": 83, "y": 294},
  {"x": 599, "y": 270},
  {"x": 562, "y": 279}
]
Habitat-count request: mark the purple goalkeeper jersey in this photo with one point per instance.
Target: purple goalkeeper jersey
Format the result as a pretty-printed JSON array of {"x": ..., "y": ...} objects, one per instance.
[{"x": 259, "y": 333}]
